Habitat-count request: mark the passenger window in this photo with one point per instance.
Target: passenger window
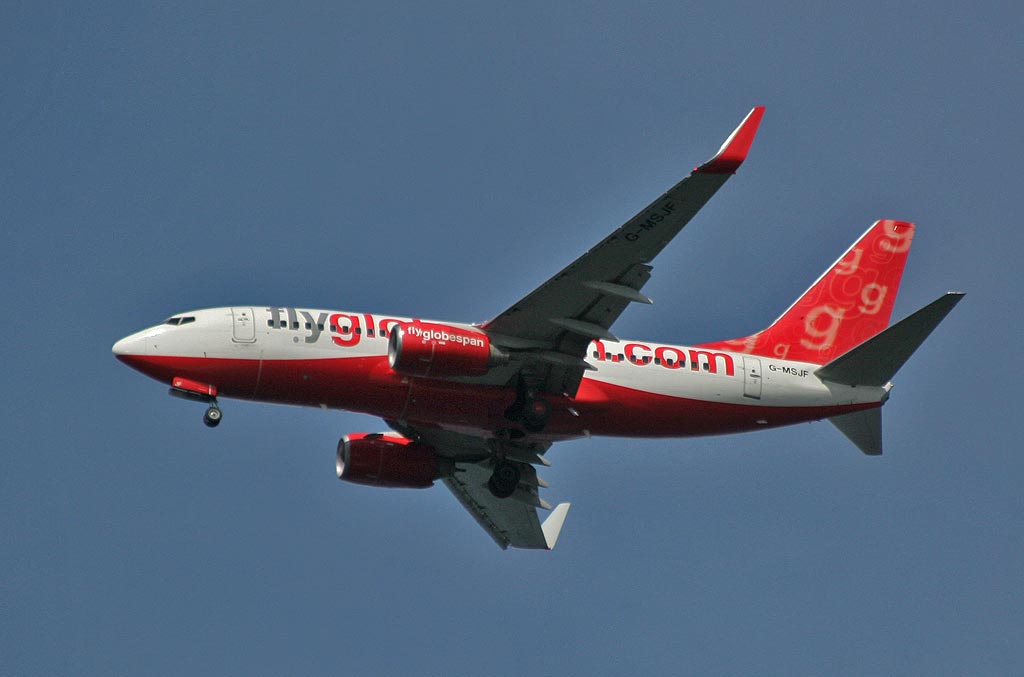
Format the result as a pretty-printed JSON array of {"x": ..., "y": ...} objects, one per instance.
[
  {"x": 309, "y": 325},
  {"x": 320, "y": 326},
  {"x": 270, "y": 323}
]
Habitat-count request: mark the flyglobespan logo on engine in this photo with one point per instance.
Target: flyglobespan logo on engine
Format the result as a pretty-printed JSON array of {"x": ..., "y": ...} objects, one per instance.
[{"x": 432, "y": 334}]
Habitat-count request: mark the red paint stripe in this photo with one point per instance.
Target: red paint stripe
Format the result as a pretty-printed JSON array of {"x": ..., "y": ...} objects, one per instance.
[{"x": 368, "y": 385}]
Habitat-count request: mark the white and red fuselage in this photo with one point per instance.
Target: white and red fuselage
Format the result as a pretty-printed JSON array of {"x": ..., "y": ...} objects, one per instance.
[{"x": 339, "y": 360}]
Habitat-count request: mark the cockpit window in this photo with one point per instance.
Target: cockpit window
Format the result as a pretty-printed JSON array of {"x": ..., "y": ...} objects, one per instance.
[{"x": 179, "y": 320}]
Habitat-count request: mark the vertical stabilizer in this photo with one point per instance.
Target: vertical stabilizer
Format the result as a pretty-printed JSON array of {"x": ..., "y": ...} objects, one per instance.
[{"x": 851, "y": 302}]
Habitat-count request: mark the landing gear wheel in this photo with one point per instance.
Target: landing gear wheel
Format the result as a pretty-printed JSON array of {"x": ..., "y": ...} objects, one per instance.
[
  {"x": 535, "y": 414},
  {"x": 504, "y": 480},
  {"x": 212, "y": 417},
  {"x": 530, "y": 410}
]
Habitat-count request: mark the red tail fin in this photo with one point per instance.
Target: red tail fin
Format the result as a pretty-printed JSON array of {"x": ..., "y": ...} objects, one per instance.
[{"x": 851, "y": 302}]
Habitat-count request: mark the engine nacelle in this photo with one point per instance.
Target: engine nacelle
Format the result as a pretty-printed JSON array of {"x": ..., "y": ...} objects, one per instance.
[
  {"x": 387, "y": 460},
  {"x": 432, "y": 350}
]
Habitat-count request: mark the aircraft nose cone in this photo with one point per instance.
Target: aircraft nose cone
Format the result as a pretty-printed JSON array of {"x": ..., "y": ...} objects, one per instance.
[{"x": 128, "y": 346}]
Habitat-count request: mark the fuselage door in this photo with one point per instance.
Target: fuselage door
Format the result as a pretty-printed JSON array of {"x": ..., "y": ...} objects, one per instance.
[
  {"x": 751, "y": 377},
  {"x": 244, "y": 325}
]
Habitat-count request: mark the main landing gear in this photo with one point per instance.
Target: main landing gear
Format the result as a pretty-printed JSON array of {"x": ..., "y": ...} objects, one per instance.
[
  {"x": 504, "y": 480},
  {"x": 529, "y": 410},
  {"x": 535, "y": 415}
]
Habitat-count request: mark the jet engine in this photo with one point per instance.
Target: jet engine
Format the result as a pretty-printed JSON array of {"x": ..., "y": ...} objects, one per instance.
[
  {"x": 387, "y": 460},
  {"x": 432, "y": 350}
]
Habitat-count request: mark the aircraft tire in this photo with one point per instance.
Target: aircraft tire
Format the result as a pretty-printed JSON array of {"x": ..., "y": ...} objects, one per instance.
[
  {"x": 212, "y": 417},
  {"x": 535, "y": 415},
  {"x": 504, "y": 480}
]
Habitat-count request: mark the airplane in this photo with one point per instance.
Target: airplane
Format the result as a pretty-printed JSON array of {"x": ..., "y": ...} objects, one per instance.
[{"x": 477, "y": 406}]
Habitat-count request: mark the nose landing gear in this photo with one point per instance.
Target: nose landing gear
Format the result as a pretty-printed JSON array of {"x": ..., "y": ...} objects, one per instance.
[
  {"x": 199, "y": 392},
  {"x": 212, "y": 416}
]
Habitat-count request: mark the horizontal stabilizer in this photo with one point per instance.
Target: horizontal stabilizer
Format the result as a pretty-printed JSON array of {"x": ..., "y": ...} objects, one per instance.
[
  {"x": 863, "y": 428},
  {"x": 876, "y": 361}
]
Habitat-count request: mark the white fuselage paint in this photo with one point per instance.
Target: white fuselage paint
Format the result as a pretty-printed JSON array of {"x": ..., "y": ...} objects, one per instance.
[{"x": 783, "y": 383}]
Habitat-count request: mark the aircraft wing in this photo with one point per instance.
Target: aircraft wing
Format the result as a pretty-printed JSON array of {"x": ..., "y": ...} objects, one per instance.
[
  {"x": 510, "y": 521},
  {"x": 555, "y": 323},
  {"x": 547, "y": 334},
  {"x": 513, "y": 521}
]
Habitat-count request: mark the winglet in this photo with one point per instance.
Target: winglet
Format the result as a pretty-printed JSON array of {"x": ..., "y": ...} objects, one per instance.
[
  {"x": 734, "y": 151},
  {"x": 553, "y": 524}
]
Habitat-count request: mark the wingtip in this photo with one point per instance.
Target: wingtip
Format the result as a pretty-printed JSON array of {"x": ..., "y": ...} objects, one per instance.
[
  {"x": 552, "y": 526},
  {"x": 734, "y": 151}
]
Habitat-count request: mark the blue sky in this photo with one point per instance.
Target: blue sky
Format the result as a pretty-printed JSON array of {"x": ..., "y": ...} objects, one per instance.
[{"x": 442, "y": 161}]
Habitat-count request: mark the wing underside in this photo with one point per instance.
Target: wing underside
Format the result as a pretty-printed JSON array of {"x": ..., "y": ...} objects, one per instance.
[
  {"x": 512, "y": 521},
  {"x": 545, "y": 336},
  {"x": 549, "y": 329}
]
